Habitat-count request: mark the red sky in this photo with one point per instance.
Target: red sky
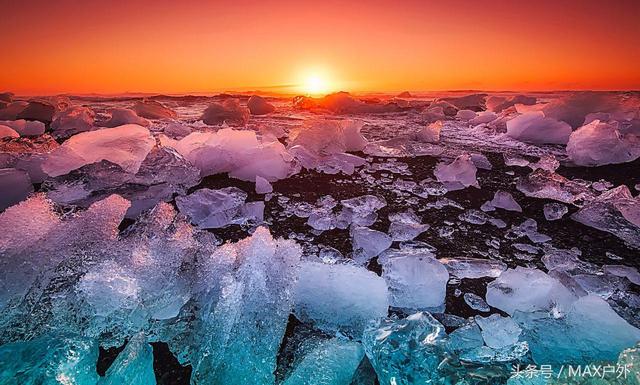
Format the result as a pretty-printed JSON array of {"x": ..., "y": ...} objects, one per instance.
[{"x": 206, "y": 46}]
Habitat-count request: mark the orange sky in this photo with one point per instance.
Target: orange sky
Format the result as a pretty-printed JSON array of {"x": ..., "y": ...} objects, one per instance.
[{"x": 206, "y": 46}]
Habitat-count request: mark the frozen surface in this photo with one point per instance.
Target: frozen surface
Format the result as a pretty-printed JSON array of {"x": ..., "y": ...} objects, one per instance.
[{"x": 296, "y": 247}]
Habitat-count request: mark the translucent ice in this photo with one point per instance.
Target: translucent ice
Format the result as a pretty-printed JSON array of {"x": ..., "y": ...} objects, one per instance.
[
  {"x": 368, "y": 243},
  {"x": 244, "y": 329},
  {"x": 259, "y": 106},
  {"x": 473, "y": 267},
  {"x": 498, "y": 331},
  {"x": 124, "y": 116},
  {"x": 15, "y": 186},
  {"x": 362, "y": 210},
  {"x": 460, "y": 173},
  {"x": 430, "y": 133},
  {"x": 528, "y": 290},
  {"x": 597, "y": 144},
  {"x": 229, "y": 112},
  {"x": 212, "y": 209},
  {"x": 591, "y": 331},
  {"x": 407, "y": 351},
  {"x": 332, "y": 362},
  {"x": 405, "y": 226},
  {"x": 8, "y": 132},
  {"x": 554, "y": 211},
  {"x": 476, "y": 302},
  {"x": 326, "y": 137},
  {"x": 237, "y": 152},
  {"x": 614, "y": 211},
  {"x": 127, "y": 146},
  {"x": 71, "y": 121},
  {"x": 134, "y": 365},
  {"x": 502, "y": 200},
  {"x": 151, "y": 109},
  {"x": 262, "y": 185},
  {"x": 534, "y": 127},
  {"x": 24, "y": 127},
  {"x": 415, "y": 282},
  {"x": 50, "y": 359},
  {"x": 631, "y": 273},
  {"x": 549, "y": 185},
  {"x": 340, "y": 297}
]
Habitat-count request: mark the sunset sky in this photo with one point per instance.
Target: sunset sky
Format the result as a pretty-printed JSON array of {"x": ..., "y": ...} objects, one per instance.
[{"x": 114, "y": 46}]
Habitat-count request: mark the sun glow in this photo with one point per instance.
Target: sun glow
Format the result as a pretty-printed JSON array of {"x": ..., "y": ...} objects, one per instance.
[{"x": 315, "y": 84}]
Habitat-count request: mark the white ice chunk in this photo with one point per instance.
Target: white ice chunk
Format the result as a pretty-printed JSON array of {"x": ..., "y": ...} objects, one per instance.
[
  {"x": 483, "y": 118},
  {"x": 615, "y": 211},
  {"x": 259, "y": 106},
  {"x": 263, "y": 186},
  {"x": 326, "y": 137},
  {"x": 460, "y": 172},
  {"x": 152, "y": 109},
  {"x": 430, "y": 133},
  {"x": 24, "y": 127},
  {"x": 212, "y": 209},
  {"x": 73, "y": 120},
  {"x": 527, "y": 290},
  {"x": 534, "y": 127},
  {"x": 229, "y": 112},
  {"x": 123, "y": 116},
  {"x": 340, "y": 297},
  {"x": 498, "y": 331},
  {"x": 503, "y": 200},
  {"x": 474, "y": 267},
  {"x": 126, "y": 146},
  {"x": 405, "y": 226},
  {"x": 597, "y": 144},
  {"x": 466, "y": 115},
  {"x": 237, "y": 152},
  {"x": 369, "y": 243},
  {"x": 415, "y": 282}
]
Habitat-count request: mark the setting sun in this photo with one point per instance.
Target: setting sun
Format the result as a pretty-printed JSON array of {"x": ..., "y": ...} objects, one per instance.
[{"x": 315, "y": 85}]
